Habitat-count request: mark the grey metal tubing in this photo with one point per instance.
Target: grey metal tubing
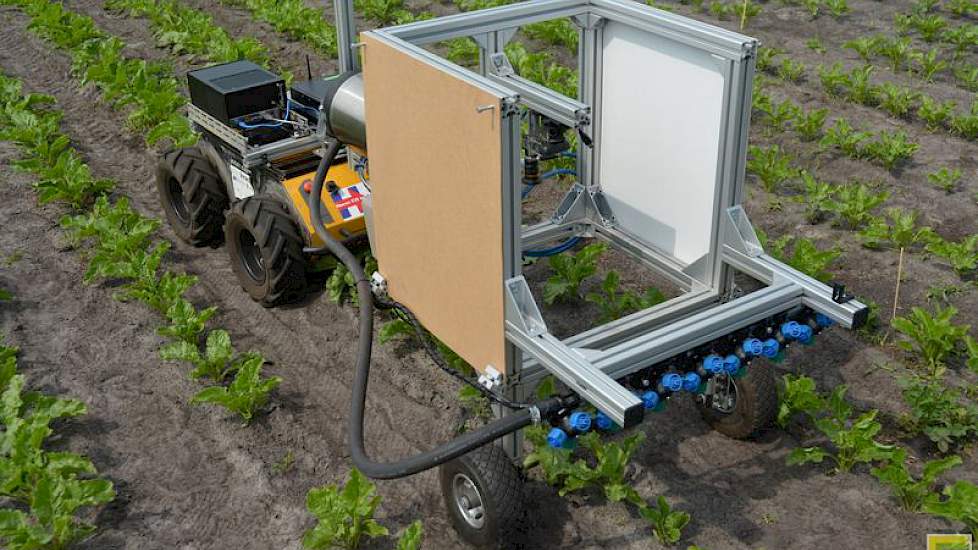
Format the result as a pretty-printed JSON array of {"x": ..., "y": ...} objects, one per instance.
[{"x": 347, "y": 117}]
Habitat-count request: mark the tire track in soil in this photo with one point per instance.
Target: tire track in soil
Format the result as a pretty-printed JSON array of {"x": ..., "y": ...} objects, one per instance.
[{"x": 310, "y": 417}]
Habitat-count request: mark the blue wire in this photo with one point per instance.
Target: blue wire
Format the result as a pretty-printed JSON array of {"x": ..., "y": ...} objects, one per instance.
[
  {"x": 553, "y": 251},
  {"x": 547, "y": 175},
  {"x": 246, "y": 126}
]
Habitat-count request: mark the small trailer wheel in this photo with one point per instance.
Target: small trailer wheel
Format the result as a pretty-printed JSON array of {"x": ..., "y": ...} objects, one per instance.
[
  {"x": 483, "y": 493},
  {"x": 266, "y": 250},
  {"x": 743, "y": 407},
  {"x": 193, "y": 196}
]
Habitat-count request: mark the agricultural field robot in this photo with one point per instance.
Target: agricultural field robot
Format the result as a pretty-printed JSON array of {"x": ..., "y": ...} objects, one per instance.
[{"x": 424, "y": 161}]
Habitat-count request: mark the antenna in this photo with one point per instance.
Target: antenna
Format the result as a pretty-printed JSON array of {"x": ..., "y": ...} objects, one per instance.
[{"x": 308, "y": 67}]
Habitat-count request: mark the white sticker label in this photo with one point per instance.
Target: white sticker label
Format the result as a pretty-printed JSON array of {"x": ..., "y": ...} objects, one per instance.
[{"x": 241, "y": 183}]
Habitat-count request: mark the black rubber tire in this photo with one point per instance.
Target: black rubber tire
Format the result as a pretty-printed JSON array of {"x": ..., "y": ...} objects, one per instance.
[
  {"x": 193, "y": 196},
  {"x": 756, "y": 407},
  {"x": 266, "y": 250},
  {"x": 500, "y": 486}
]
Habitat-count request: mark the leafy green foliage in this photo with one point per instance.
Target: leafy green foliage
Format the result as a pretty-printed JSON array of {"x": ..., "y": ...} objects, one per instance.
[
  {"x": 771, "y": 165},
  {"x": 855, "y": 203},
  {"x": 928, "y": 64},
  {"x": 797, "y": 395},
  {"x": 341, "y": 286},
  {"x": 896, "y": 100},
  {"x": 540, "y": 68},
  {"x": 805, "y": 256},
  {"x": 810, "y": 124},
  {"x": 910, "y": 491},
  {"x": 615, "y": 304},
  {"x": 938, "y": 411},
  {"x": 186, "y": 321},
  {"x": 844, "y": 137},
  {"x": 934, "y": 337},
  {"x": 854, "y": 439},
  {"x": 412, "y": 537},
  {"x": 899, "y": 229},
  {"x": 935, "y": 114},
  {"x": 890, "y": 149},
  {"x": 960, "y": 504},
  {"x": 778, "y": 114},
  {"x": 295, "y": 19},
  {"x": 667, "y": 524},
  {"x": 344, "y": 515},
  {"x": 560, "y": 32},
  {"x": 570, "y": 270},
  {"x": 962, "y": 255},
  {"x": 246, "y": 394},
  {"x": 185, "y": 30},
  {"x": 817, "y": 198},
  {"x": 463, "y": 51},
  {"x": 217, "y": 361},
  {"x": 945, "y": 179},
  {"x": 790, "y": 70},
  {"x": 386, "y": 12}
]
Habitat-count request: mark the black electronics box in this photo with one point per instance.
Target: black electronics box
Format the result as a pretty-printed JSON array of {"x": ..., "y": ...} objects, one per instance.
[{"x": 235, "y": 89}]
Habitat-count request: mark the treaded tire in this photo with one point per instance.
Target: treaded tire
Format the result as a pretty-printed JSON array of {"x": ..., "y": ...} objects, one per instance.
[
  {"x": 193, "y": 196},
  {"x": 500, "y": 487},
  {"x": 266, "y": 250},
  {"x": 756, "y": 407}
]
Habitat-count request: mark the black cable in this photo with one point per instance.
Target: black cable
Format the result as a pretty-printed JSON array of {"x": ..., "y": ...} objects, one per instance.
[{"x": 442, "y": 453}]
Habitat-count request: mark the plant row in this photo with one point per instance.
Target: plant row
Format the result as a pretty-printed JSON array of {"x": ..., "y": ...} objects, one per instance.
[
  {"x": 295, "y": 19},
  {"x": 122, "y": 249},
  {"x": 44, "y": 491}
]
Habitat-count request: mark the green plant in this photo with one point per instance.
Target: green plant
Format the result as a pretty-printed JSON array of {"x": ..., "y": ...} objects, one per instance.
[
  {"x": 411, "y": 537},
  {"x": 960, "y": 504},
  {"x": 890, "y": 149},
  {"x": 667, "y": 524},
  {"x": 797, "y": 395},
  {"x": 805, "y": 255},
  {"x": 854, "y": 439},
  {"x": 295, "y": 19},
  {"x": 963, "y": 255},
  {"x": 340, "y": 286},
  {"x": 968, "y": 77},
  {"x": 809, "y": 124},
  {"x": 945, "y": 179},
  {"x": 720, "y": 10},
  {"x": 5, "y": 295},
  {"x": 344, "y": 516},
  {"x": 815, "y": 44},
  {"x": 861, "y": 87},
  {"x": 962, "y": 8},
  {"x": 837, "y": 8},
  {"x": 842, "y": 136},
  {"x": 854, "y": 204},
  {"x": 746, "y": 10},
  {"x": 186, "y": 322},
  {"x": 385, "y": 12},
  {"x": 765, "y": 59},
  {"x": 929, "y": 64},
  {"x": 463, "y": 51},
  {"x": 897, "y": 50},
  {"x": 934, "y": 337},
  {"x": 899, "y": 229},
  {"x": 896, "y": 100},
  {"x": 943, "y": 292},
  {"x": 612, "y": 303},
  {"x": 778, "y": 114},
  {"x": 938, "y": 411},
  {"x": 935, "y": 114},
  {"x": 790, "y": 70},
  {"x": 834, "y": 79},
  {"x": 771, "y": 165},
  {"x": 556, "y": 31},
  {"x": 911, "y": 492},
  {"x": 246, "y": 394},
  {"x": 570, "y": 270},
  {"x": 817, "y": 198},
  {"x": 218, "y": 360},
  {"x": 813, "y": 7},
  {"x": 866, "y": 47}
]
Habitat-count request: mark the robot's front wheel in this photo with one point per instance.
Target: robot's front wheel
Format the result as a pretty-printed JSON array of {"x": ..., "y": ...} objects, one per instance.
[
  {"x": 742, "y": 407},
  {"x": 483, "y": 493},
  {"x": 266, "y": 250},
  {"x": 192, "y": 195}
]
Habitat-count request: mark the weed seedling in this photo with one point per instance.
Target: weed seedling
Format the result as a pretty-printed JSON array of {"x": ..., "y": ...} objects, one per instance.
[
  {"x": 570, "y": 270},
  {"x": 938, "y": 411},
  {"x": 911, "y": 492},
  {"x": 345, "y": 515},
  {"x": 945, "y": 179}
]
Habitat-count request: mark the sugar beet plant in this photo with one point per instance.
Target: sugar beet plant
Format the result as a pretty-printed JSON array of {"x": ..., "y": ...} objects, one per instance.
[
  {"x": 570, "y": 270},
  {"x": 295, "y": 19},
  {"x": 45, "y": 491},
  {"x": 121, "y": 248}
]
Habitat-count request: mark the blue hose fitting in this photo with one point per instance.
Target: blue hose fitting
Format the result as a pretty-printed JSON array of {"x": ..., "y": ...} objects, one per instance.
[
  {"x": 557, "y": 438},
  {"x": 650, "y": 399},
  {"x": 770, "y": 348},
  {"x": 823, "y": 320},
  {"x": 691, "y": 382},
  {"x": 731, "y": 364},
  {"x": 579, "y": 421},
  {"x": 713, "y": 364},
  {"x": 752, "y": 346},
  {"x": 671, "y": 382},
  {"x": 791, "y": 330},
  {"x": 604, "y": 423},
  {"x": 806, "y": 334}
]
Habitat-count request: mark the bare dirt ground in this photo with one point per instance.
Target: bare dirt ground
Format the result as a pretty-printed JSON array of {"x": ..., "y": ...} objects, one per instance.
[{"x": 191, "y": 477}]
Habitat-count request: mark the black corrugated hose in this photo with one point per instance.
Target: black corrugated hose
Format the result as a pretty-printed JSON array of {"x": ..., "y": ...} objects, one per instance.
[{"x": 442, "y": 453}]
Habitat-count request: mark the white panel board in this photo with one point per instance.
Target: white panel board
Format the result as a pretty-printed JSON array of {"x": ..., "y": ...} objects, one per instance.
[{"x": 661, "y": 118}]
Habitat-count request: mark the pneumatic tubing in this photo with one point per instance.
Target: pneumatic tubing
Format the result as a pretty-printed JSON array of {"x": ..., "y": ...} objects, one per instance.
[{"x": 441, "y": 454}]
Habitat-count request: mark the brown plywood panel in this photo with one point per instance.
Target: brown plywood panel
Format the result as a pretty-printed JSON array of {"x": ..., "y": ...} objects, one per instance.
[{"x": 436, "y": 182}]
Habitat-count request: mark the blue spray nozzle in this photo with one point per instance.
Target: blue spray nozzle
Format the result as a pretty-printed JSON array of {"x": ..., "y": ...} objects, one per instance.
[
  {"x": 650, "y": 399},
  {"x": 691, "y": 382},
  {"x": 823, "y": 320},
  {"x": 579, "y": 421},
  {"x": 557, "y": 438},
  {"x": 791, "y": 330},
  {"x": 731, "y": 364},
  {"x": 672, "y": 382},
  {"x": 806, "y": 335},
  {"x": 770, "y": 349},
  {"x": 752, "y": 346},
  {"x": 713, "y": 364},
  {"x": 603, "y": 422}
]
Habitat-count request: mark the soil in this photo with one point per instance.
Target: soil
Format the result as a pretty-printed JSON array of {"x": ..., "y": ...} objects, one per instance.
[{"x": 192, "y": 477}]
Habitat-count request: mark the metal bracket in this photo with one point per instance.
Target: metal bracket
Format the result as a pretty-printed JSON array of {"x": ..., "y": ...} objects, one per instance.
[{"x": 522, "y": 309}]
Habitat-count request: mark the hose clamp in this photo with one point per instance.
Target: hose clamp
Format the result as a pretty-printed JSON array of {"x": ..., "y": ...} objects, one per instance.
[{"x": 535, "y": 414}]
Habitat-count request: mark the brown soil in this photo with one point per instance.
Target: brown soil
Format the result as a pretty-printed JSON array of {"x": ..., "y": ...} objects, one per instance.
[{"x": 191, "y": 477}]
